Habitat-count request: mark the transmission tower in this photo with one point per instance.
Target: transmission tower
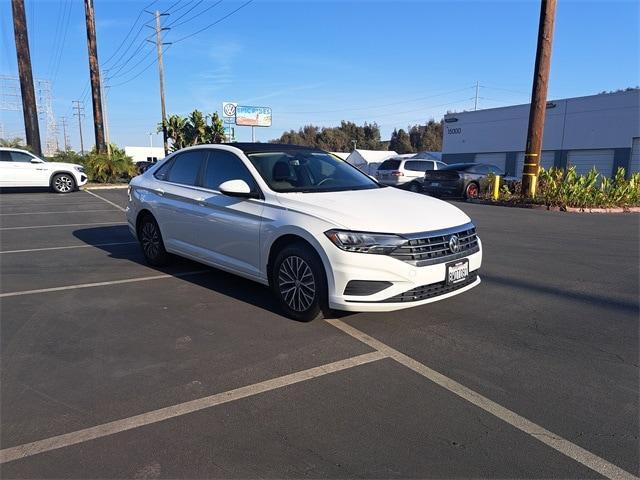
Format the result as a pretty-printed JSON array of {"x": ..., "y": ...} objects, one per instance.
[{"x": 11, "y": 100}]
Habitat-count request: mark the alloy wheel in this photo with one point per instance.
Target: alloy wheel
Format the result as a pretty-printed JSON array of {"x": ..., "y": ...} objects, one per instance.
[
  {"x": 150, "y": 239},
  {"x": 296, "y": 283},
  {"x": 63, "y": 183}
]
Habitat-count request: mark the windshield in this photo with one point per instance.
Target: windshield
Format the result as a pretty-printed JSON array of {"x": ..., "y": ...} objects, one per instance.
[{"x": 308, "y": 171}]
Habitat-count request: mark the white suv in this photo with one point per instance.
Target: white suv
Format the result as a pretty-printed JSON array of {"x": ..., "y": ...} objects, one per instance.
[
  {"x": 19, "y": 168},
  {"x": 406, "y": 172},
  {"x": 319, "y": 232}
]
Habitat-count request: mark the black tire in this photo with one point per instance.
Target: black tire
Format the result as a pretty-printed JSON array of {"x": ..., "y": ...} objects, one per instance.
[
  {"x": 63, "y": 183},
  {"x": 472, "y": 190},
  {"x": 150, "y": 239},
  {"x": 299, "y": 283},
  {"x": 414, "y": 187}
]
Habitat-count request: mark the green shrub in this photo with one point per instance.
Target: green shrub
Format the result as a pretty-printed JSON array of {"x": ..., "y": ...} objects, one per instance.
[{"x": 104, "y": 169}]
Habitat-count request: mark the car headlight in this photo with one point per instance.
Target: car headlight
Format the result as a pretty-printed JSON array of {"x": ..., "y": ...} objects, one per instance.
[
  {"x": 362, "y": 242},
  {"x": 79, "y": 169}
]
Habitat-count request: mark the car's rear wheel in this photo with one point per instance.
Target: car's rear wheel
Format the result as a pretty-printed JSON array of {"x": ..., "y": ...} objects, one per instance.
[
  {"x": 298, "y": 282},
  {"x": 63, "y": 183},
  {"x": 472, "y": 190},
  {"x": 151, "y": 242}
]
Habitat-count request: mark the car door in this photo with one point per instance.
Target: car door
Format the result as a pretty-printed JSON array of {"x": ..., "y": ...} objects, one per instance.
[
  {"x": 6, "y": 169},
  {"x": 230, "y": 230},
  {"x": 176, "y": 201},
  {"x": 24, "y": 173}
]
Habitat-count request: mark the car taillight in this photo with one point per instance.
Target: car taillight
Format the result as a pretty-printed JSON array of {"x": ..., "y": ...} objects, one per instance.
[{"x": 397, "y": 174}]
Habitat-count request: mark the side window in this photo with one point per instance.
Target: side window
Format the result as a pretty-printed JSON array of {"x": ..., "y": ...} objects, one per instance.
[
  {"x": 186, "y": 167},
  {"x": 4, "y": 156},
  {"x": 223, "y": 166},
  {"x": 20, "y": 157},
  {"x": 161, "y": 173},
  {"x": 418, "y": 166}
]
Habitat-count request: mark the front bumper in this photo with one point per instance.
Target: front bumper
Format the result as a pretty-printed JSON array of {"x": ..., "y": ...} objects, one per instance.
[
  {"x": 80, "y": 177},
  {"x": 407, "y": 281}
]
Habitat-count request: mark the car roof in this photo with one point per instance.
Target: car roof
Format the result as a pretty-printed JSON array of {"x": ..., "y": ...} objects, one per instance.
[
  {"x": 249, "y": 147},
  {"x": 14, "y": 149}
]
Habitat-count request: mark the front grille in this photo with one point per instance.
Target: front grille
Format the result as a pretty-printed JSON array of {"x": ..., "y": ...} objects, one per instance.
[
  {"x": 428, "y": 249},
  {"x": 430, "y": 291}
]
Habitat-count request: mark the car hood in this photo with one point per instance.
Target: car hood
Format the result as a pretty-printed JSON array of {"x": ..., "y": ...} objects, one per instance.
[{"x": 383, "y": 210}]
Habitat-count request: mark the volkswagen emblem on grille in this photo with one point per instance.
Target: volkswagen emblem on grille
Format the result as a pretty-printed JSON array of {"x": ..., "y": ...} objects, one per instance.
[{"x": 454, "y": 244}]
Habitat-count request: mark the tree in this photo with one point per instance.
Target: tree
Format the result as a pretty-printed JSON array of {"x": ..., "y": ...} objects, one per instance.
[
  {"x": 400, "y": 142},
  {"x": 337, "y": 139},
  {"x": 15, "y": 142},
  {"x": 427, "y": 137},
  {"x": 196, "y": 129}
]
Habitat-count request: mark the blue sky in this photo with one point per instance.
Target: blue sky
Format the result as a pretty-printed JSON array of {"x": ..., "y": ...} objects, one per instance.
[{"x": 392, "y": 62}]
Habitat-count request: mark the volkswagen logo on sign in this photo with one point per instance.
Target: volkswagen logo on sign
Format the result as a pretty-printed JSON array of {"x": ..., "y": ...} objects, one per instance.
[{"x": 454, "y": 244}]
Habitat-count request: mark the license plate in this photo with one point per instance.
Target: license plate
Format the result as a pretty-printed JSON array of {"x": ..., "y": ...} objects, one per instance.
[
  {"x": 435, "y": 184},
  {"x": 457, "y": 272}
]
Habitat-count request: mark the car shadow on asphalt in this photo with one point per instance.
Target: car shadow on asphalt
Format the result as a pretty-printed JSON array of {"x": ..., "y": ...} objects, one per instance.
[{"x": 227, "y": 284}]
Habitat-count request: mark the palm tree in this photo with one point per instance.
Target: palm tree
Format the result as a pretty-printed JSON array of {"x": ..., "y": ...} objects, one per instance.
[
  {"x": 176, "y": 130},
  {"x": 196, "y": 128}
]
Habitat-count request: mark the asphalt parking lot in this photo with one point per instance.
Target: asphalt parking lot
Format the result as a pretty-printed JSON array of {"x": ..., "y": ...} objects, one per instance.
[{"x": 113, "y": 369}]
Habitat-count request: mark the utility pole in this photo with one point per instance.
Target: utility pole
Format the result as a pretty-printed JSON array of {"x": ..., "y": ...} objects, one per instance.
[
  {"x": 79, "y": 112},
  {"x": 538, "y": 98},
  {"x": 475, "y": 107},
  {"x": 64, "y": 133},
  {"x": 105, "y": 95},
  {"x": 94, "y": 71},
  {"x": 29, "y": 108},
  {"x": 150, "y": 140},
  {"x": 159, "y": 45}
]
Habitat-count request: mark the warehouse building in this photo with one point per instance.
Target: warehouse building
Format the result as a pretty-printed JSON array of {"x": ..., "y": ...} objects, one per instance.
[{"x": 601, "y": 131}]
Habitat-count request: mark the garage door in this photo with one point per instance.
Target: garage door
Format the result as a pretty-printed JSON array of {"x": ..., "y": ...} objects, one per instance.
[
  {"x": 546, "y": 161},
  {"x": 585, "y": 160},
  {"x": 497, "y": 159},
  {"x": 635, "y": 156}
]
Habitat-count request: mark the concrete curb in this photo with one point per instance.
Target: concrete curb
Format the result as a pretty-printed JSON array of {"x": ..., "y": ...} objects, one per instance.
[{"x": 536, "y": 206}]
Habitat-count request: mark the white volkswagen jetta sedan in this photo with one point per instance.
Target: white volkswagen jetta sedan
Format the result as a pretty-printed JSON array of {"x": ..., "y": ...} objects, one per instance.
[
  {"x": 319, "y": 232},
  {"x": 20, "y": 168}
]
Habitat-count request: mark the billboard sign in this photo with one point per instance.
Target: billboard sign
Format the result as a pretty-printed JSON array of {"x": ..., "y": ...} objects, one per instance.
[
  {"x": 229, "y": 109},
  {"x": 253, "y": 116}
]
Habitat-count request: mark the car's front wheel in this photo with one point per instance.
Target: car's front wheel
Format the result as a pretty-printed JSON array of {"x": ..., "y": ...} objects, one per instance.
[
  {"x": 151, "y": 242},
  {"x": 63, "y": 183},
  {"x": 299, "y": 283}
]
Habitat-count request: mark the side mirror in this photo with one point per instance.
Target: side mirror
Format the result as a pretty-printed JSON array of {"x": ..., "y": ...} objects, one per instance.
[
  {"x": 237, "y": 188},
  {"x": 36, "y": 160}
]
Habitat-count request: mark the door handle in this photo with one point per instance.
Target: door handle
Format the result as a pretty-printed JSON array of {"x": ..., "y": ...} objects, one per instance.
[
  {"x": 160, "y": 192},
  {"x": 201, "y": 201}
]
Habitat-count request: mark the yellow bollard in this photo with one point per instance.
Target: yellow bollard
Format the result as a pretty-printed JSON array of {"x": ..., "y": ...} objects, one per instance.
[{"x": 495, "y": 192}]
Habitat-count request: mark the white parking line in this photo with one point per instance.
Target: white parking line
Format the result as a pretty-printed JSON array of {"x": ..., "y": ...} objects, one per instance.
[
  {"x": 67, "y": 247},
  {"x": 64, "y": 225},
  {"x": 117, "y": 426},
  {"x": 60, "y": 211},
  {"x": 104, "y": 199},
  {"x": 101, "y": 284},
  {"x": 556, "y": 442}
]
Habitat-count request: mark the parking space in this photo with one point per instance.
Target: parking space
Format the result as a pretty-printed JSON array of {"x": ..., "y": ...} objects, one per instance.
[{"x": 119, "y": 370}]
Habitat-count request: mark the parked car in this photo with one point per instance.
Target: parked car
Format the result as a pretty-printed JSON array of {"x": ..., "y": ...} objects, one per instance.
[
  {"x": 322, "y": 234},
  {"x": 406, "y": 172},
  {"x": 20, "y": 168},
  {"x": 461, "y": 180},
  {"x": 143, "y": 166}
]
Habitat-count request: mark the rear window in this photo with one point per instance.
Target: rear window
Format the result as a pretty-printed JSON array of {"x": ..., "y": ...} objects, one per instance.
[
  {"x": 389, "y": 165},
  {"x": 418, "y": 166}
]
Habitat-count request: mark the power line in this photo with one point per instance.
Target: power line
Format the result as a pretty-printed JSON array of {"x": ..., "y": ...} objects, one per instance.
[
  {"x": 214, "y": 23},
  {"x": 62, "y": 44},
  {"x": 54, "y": 44},
  {"x": 174, "y": 24},
  {"x": 129, "y": 33},
  {"x": 153, "y": 62},
  {"x": 185, "y": 5}
]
